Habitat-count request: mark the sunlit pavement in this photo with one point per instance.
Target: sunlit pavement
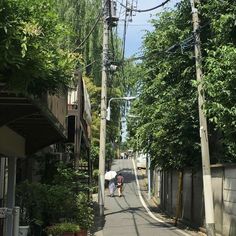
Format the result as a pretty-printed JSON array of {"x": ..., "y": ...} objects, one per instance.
[{"x": 126, "y": 216}]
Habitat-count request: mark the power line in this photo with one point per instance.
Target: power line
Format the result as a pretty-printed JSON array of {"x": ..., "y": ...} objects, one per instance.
[
  {"x": 112, "y": 43},
  {"x": 111, "y": 32},
  {"x": 124, "y": 34},
  {"x": 120, "y": 10},
  {"x": 144, "y": 10},
  {"x": 90, "y": 32},
  {"x": 138, "y": 25},
  {"x": 184, "y": 44},
  {"x": 169, "y": 50},
  {"x": 89, "y": 64},
  {"x": 123, "y": 47},
  {"x": 92, "y": 29}
]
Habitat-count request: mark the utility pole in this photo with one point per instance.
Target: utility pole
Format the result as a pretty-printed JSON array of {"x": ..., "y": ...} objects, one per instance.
[
  {"x": 102, "y": 150},
  {"x": 206, "y": 170}
]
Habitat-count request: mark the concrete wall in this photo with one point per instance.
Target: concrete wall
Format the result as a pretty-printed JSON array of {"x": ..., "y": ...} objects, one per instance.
[
  {"x": 174, "y": 191},
  {"x": 197, "y": 199},
  {"x": 229, "y": 201},
  {"x": 224, "y": 193},
  {"x": 217, "y": 186},
  {"x": 187, "y": 196}
]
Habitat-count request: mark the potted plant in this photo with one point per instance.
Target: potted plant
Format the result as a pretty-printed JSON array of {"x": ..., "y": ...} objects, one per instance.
[
  {"x": 30, "y": 198},
  {"x": 24, "y": 230},
  {"x": 63, "y": 229},
  {"x": 24, "y": 224}
]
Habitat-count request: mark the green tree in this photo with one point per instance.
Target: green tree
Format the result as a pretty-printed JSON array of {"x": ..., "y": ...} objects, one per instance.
[
  {"x": 82, "y": 16},
  {"x": 220, "y": 72},
  {"x": 168, "y": 99},
  {"x": 31, "y": 54}
]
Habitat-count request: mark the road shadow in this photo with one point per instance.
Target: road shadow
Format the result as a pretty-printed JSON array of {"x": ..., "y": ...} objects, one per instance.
[{"x": 99, "y": 221}]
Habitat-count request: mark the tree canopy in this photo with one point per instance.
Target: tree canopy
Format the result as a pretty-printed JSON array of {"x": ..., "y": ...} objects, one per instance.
[
  {"x": 43, "y": 43},
  {"x": 33, "y": 58},
  {"x": 168, "y": 126}
]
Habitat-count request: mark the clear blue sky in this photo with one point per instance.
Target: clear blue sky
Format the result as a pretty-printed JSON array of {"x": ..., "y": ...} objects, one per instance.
[
  {"x": 140, "y": 23},
  {"x": 137, "y": 28}
]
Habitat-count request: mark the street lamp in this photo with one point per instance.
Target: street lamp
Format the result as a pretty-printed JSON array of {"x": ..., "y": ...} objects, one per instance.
[{"x": 118, "y": 98}]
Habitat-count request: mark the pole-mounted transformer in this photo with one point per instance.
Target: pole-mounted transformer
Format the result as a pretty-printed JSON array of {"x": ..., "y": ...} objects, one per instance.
[{"x": 112, "y": 18}]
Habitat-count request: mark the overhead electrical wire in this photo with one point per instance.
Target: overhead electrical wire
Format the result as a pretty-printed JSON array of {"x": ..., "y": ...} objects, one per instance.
[
  {"x": 121, "y": 10},
  {"x": 92, "y": 29},
  {"x": 111, "y": 33},
  {"x": 138, "y": 25},
  {"x": 145, "y": 10},
  {"x": 112, "y": 43},
  {"x": 90, "y": 32},
  {"x": 184, "y": 44},
  {"x": 131, "y": 9},
  {"x": 123, "y": 46},
  {"x": 125, "y": 26},
  {"x": 170, "y": 50},
  {"x": 124, "y": 35}
]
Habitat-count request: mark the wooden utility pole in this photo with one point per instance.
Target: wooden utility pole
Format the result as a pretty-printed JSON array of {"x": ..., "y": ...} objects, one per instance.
[
  {"x": 102, "y": 150},
  {"x": 206, "y": 170}
]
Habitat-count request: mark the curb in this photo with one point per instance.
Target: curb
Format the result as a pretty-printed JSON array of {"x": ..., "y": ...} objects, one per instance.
[{"x": 153, "y": 202}]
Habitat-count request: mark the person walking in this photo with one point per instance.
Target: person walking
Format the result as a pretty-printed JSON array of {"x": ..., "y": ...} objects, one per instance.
[
  {"x": 112, "y": 187},
  {"x": 120, "y": 182}
]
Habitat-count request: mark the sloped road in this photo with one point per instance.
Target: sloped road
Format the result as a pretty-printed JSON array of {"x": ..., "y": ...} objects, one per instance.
[{"x": 126, "y": 216}]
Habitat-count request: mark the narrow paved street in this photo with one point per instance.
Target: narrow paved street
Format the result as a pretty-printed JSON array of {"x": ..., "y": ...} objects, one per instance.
[{"x": 126, "y": 216}]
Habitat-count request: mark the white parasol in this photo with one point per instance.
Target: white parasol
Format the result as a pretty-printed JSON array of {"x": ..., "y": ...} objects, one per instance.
[{"x": 110, "y": 175}]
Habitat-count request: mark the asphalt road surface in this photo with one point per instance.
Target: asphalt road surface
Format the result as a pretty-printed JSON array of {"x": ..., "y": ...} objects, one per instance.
[{"x": 126, "y": 216}]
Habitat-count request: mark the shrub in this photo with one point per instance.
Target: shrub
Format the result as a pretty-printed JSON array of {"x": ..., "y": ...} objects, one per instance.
[
  {"x": 65, "y": 227},
  {"x": 84, "y": 212}
]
